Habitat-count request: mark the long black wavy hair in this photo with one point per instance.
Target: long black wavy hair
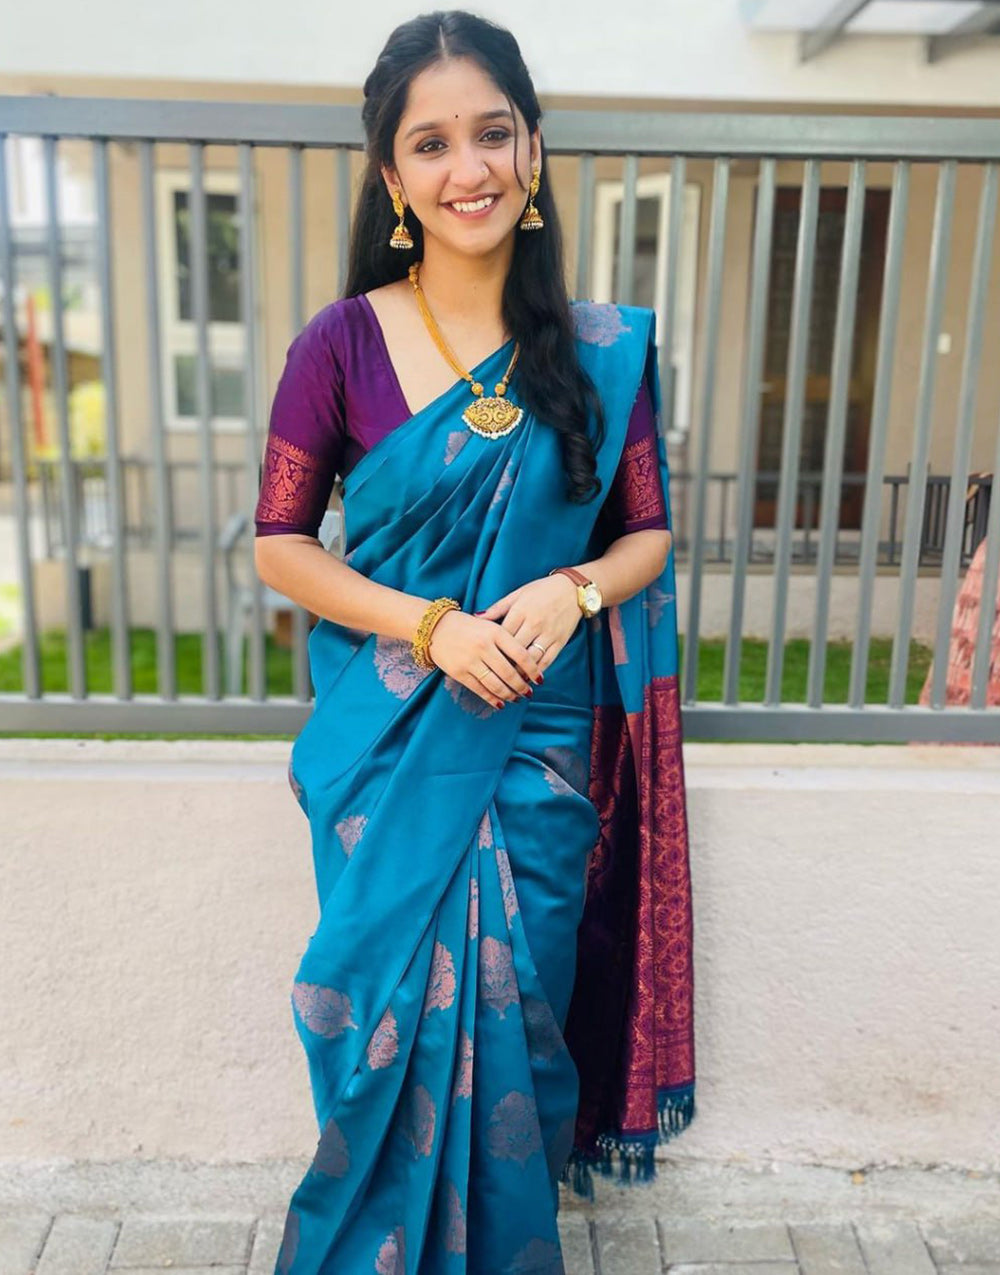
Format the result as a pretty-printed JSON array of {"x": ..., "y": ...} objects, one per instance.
[{"x": 549, "y": 378}]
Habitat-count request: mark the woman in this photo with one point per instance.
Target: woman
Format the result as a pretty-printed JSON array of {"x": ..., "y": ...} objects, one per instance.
[
  {"x": 498, "y": 992},
  {"x": 973, "y": 595}
]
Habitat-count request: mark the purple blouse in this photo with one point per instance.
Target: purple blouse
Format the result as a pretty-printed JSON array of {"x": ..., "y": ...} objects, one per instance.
[{"x": 338, "y": 395}]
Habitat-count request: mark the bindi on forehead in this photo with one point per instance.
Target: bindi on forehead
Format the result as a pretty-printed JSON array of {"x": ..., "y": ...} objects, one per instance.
[{"x": 483, "y": 116}]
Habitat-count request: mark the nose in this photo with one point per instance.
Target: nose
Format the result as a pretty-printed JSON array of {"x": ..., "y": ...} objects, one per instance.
[{"x": 469, "y": 169}]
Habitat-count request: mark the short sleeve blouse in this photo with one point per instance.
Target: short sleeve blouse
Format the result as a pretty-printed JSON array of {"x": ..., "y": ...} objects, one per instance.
[{"x": 338, "y": 395}]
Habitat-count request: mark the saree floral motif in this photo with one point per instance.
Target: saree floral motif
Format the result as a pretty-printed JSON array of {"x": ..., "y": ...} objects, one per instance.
[{"x": 498, "y": 993}]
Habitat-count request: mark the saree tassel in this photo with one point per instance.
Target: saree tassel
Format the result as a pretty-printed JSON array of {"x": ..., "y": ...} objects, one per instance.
[
  {"x": 676, "y": 1109},
  {"x": 636, "y": 1159},
  {"x": 647, "y": 1164},
  {"x": 637, "y": 1155},
  {"x": 577, "y": 1175},
  {"x": 583, "y": 1180}
]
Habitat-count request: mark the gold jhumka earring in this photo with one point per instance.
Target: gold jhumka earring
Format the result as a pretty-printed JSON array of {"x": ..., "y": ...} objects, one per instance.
[
  {"x": 532, "y": 219},
  {"x": 401, "y": 237}
]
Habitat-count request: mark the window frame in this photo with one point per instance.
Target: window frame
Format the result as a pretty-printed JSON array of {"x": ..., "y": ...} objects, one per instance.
[
  {"x": 609, "y": 194},
  {"x": 227, "y": 341}
]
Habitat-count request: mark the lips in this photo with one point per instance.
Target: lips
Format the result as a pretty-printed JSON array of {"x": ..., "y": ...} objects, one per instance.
[
  {"x": 478, "y": 212},
  {"x": 474, "y": 199}
]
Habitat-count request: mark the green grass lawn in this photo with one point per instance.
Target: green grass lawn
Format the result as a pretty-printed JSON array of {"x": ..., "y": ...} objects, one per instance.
[
  {"x": 10, "y": 602},
  {"x": 278, "y": 667}
]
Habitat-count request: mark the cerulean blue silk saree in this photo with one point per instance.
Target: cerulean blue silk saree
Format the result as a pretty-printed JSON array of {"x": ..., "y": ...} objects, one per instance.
[{"x": 498, "y": 993}]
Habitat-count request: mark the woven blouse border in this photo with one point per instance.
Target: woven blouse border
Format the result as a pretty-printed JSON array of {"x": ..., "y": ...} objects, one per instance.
[
  {"x": 641, "y": 488},
  {"x": 288, "y": 487}
]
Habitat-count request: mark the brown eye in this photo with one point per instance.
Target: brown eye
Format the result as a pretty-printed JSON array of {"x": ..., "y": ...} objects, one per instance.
[{"x": 499, "y": 134}]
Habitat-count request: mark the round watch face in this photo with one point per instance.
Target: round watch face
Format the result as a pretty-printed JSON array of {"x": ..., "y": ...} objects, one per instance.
[{"x": 592, "y": 597}]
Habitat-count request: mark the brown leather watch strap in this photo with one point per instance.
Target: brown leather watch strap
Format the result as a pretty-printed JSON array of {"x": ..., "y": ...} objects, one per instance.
[{"x": 576, "y": 576}]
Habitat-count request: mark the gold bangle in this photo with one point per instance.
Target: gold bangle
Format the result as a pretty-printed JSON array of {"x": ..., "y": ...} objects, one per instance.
[{"x": 422, "y": 639}]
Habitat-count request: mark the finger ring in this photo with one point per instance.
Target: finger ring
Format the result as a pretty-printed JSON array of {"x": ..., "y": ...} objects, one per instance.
[{"x": 541, "y": 648}]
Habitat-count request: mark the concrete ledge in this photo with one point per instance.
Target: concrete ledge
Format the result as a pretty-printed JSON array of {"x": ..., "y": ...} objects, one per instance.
[
  {"x": 706, "y": 764},
  {"x": 159, "y": 894}
]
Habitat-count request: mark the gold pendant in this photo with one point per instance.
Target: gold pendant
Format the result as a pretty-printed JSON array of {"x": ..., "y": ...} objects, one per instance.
[{"x": 492, "y": 417}]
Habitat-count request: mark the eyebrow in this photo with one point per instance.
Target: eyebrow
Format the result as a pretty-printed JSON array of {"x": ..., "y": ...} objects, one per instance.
[{"x": 484, "y": 115}]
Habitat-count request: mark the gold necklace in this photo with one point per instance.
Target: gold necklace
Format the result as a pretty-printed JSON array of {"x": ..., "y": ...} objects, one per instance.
[{"x": 490, "y": 417}]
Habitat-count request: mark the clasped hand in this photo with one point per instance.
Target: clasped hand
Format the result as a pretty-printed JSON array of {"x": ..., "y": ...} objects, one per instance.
[{"x": 491, "y": 653}]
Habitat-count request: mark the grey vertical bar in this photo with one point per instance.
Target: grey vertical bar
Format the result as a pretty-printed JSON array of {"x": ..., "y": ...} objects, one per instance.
[
  {"x": 67, "y": 469},
  {"x": 343, "y": 198},
  {"x": 626, "y": 235},
  {"x": 198, "y": 249},
  {"x": 166, "y": 656},
  {"x": 833, "y": 454},
  {"x": 120, "y": 636},
  {"x": 30, "y": 662},
  {"x": 875, "y": 468},
  {"x": 791, "y": 432},
  {"x": 585, "y": 226},
  {"x": 675, "y": 224},
  {"x": 971, "y": 362},
  {"x": 940, "y": 249},
  {"x": 713, "y": 307},
  {"x": 750, "y": 423},
  {"x": 300, "y": 625},
  {"x": 257, "y": 681}
]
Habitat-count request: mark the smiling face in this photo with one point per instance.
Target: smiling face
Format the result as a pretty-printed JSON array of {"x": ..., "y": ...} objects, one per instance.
[{"x": 455, "y": 145}]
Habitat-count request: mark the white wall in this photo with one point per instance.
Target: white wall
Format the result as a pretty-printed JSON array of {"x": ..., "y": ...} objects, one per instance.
[
  {"x": 675, "y": 49},
  {"x": 158, "y": 896}
]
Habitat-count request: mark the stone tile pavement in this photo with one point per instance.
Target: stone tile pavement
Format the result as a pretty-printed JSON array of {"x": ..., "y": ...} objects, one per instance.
[
  {"x": 700, "y": 1218},
  {"x": 141, "y": 1243}
]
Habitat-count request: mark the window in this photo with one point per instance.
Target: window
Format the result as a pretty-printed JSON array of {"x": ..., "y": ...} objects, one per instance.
[
  {"x": 649, "y": 285},
  {"x": 227, "y": 338}
]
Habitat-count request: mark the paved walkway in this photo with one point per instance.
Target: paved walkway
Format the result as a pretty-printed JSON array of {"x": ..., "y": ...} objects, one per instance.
[
  {"x": 700, "y": 1217},
  {"x": 141, "y": 1243}
]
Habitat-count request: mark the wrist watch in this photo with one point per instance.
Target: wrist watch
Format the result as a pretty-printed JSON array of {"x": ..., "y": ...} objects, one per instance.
[{"x": 588, "y": 594}]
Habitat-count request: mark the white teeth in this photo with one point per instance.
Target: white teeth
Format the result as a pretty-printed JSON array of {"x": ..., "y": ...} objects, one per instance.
[{"x": 482, "y": 203}]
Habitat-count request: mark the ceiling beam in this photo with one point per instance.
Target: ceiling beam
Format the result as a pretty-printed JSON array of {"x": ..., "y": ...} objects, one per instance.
[
  {"x": 965, "y": 35},
  {"x": 830, "y": 29}
]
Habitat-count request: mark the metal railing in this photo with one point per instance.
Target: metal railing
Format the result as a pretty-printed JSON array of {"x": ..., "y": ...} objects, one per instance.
[
  {"x": 730, "y": 144},
  {"x": 136, "y": 483},
  {"x": 184, "y": 523}
]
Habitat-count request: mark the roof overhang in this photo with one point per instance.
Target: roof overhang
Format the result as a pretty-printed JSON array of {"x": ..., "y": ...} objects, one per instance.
[{"x": 946, "y": 25}]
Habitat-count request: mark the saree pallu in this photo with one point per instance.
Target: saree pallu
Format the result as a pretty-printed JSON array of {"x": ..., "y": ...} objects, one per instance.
[{"x": 498, "y": 992}]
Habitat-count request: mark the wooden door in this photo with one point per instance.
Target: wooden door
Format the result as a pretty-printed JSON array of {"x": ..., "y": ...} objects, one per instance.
[{"x": 822, "y": 321}]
